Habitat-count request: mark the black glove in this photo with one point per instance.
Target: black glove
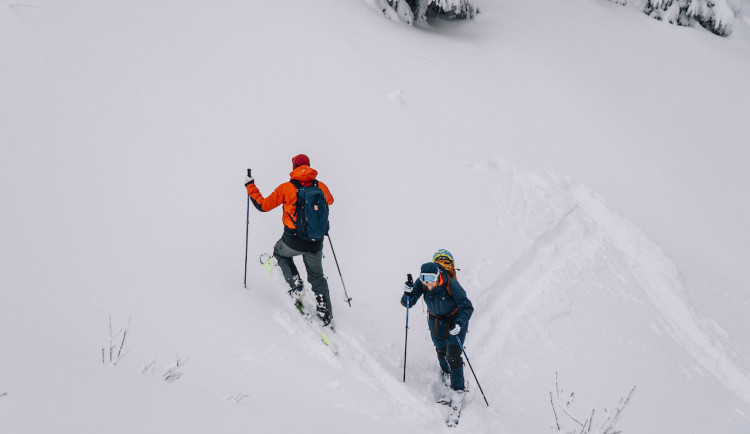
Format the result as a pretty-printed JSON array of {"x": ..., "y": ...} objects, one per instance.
[
  {"x": 409, "y": 285},
  {"x": 249, "y": 179}
]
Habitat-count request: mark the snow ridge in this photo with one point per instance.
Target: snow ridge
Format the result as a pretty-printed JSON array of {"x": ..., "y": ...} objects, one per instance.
[
  {"x": 662, "y": 282},
  {"x": 576, "y": 246}
]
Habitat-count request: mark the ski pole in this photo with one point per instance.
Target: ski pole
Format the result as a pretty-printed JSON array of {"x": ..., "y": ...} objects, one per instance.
[
  {"x": 406, "y": 338},
  {"x": 472, "y": 370},
  {"x": 247, "y": 230},
  {"x": 346, "y": 296}
]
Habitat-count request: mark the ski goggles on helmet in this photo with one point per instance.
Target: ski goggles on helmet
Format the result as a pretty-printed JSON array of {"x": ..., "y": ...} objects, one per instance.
[{"x": 429, "y": 277}]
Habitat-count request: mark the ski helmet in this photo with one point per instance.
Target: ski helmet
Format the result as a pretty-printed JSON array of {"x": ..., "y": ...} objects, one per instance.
[
  {"x": 445, "y": 259},
  {"x": 443, "y": 255}
]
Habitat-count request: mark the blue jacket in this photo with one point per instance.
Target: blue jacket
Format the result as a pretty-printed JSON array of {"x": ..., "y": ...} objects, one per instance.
[{"x": 454, "y": 307}]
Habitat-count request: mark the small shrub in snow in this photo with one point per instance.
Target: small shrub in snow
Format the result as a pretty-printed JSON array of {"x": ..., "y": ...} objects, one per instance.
[
  {"x": 173, "y": 371},
  {"x": 563, "y": 418},
  {"x": 149, "y": 368},
  {"x": 113, "y": 352},
  {"x": 169, "y": 374},
  {"x": 237, "y": 398}
]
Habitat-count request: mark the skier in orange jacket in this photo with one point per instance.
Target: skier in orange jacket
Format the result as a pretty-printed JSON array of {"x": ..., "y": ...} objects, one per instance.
[{"x": 293, "y": 243}]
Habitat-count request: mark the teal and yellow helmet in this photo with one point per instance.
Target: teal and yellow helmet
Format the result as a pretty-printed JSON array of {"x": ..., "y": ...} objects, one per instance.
[
  {"x": 443, "y": 255},
  {"x": 445, "y": 259}
]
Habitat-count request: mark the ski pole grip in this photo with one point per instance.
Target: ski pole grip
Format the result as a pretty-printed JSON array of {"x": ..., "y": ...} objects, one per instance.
[
  {"x": 248, "y": 174},
  {"x": 409, "y": 279}
]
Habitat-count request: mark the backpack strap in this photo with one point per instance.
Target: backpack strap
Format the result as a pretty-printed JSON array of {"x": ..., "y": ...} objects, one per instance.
[
  {"x": 297, "y": 184},
  {"x": 448, "y": 290},
  {"x": 452, "y": 313}
]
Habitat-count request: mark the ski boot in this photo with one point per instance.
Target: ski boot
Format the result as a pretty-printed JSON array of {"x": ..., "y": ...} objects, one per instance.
[
  {"x": 445, "y": 392},
  {"x": 457, "y": 398},
  {"x": 446, "y": 378},
  {"x": 322, "y": 308},
  {"x": 298, "y": 289}
]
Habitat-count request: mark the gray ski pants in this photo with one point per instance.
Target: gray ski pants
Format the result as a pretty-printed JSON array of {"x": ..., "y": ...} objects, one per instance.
[{"x": 313, "y": 264}]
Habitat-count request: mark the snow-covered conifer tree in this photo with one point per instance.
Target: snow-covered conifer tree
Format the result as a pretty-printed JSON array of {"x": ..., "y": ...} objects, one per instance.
[
  {"x": 715, "y": 15},
  {"x": 453, "y": 9},
  {"x": 398, "y": 10},
  {"x": 420, "y": 10}
]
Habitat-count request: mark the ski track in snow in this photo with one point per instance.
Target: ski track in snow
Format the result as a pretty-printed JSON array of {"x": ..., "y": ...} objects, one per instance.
[{"x": 354, "y": 355}]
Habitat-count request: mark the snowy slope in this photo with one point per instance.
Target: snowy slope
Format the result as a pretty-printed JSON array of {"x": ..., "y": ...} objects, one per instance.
[{"x": 585, "y": 164}]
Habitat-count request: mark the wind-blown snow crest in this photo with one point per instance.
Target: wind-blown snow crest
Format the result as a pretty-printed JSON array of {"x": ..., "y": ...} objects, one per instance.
[
  {"x": 661, "y": 281},
  {"x": 575, "y": 250}
]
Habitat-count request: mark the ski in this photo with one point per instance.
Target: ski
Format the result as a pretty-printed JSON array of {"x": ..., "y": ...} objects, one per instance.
[
  {"x": 269, "y": 264},
  {"x": 454, "y": 416},
  {"x": 443, "y": 389},
  {"x": 457, "y": 403}
]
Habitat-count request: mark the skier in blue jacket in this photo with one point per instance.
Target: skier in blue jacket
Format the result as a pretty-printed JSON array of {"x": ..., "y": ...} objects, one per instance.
[{"x": 449, "y": 312}]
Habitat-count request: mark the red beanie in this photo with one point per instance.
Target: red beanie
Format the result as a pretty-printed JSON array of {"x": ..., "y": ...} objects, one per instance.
[{"x": 300, "y": 160}]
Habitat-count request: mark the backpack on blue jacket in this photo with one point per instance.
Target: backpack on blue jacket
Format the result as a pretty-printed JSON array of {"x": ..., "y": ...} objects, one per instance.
[{"x": 310, "y": 212}]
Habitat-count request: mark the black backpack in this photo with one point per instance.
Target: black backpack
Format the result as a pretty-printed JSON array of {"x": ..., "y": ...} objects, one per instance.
[{"x": 311, "y": 212}]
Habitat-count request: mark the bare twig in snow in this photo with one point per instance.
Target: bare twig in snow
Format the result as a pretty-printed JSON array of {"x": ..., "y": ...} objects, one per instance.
[
  {"x": 114, "y": 359},
  {"x": 237, "y": 398},
  {"x": 172, "y": 373},
  {"x": 607, "y": 426},
  {"x": 119, "y": 352},
  {"x": 149, "y": 368},
  {"x": 557, "y": 421}
]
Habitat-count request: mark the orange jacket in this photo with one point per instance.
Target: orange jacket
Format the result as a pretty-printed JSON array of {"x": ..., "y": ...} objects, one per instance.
[{"x": 286, "y": 194}]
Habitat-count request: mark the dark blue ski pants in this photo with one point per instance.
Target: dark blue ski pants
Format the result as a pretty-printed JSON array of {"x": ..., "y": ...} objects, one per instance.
[{"x": 448, "y": 350}]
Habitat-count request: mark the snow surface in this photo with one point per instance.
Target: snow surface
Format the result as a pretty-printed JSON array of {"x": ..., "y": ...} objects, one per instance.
[{"x": 586, "y": 165}]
